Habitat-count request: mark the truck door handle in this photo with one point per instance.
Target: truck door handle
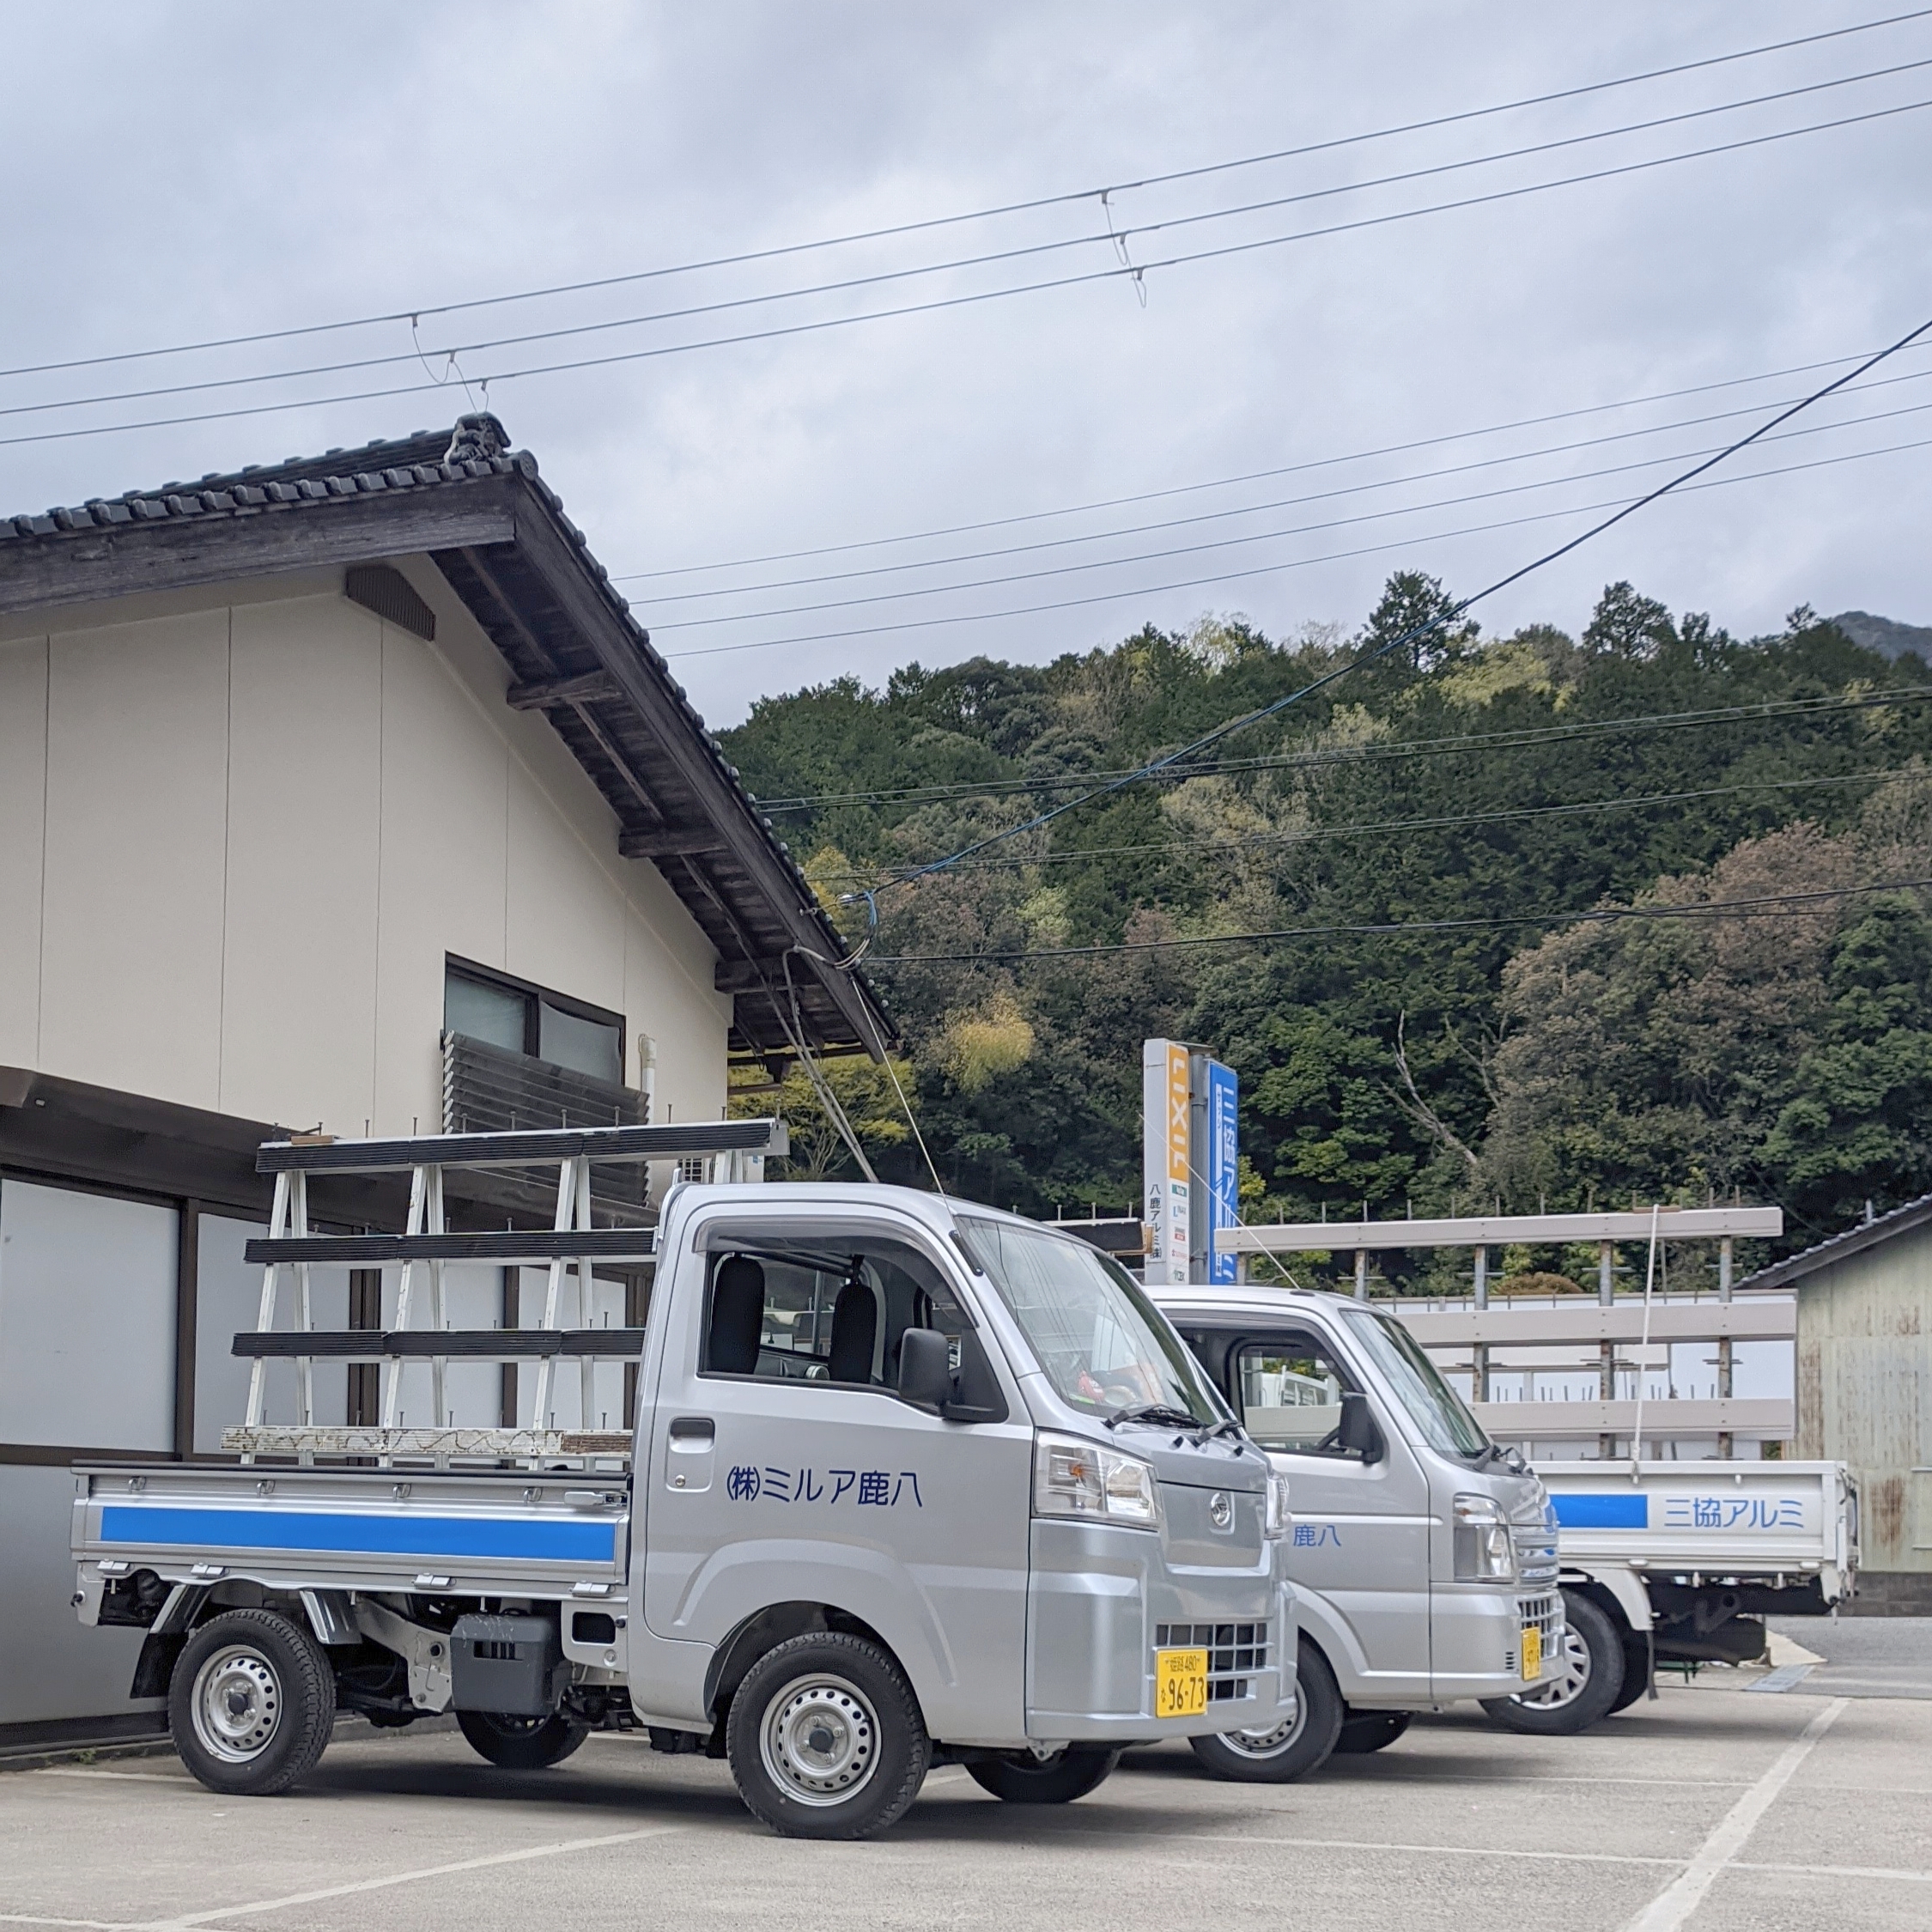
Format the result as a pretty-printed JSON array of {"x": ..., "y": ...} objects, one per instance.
[{"x": 693, "y": 1432}]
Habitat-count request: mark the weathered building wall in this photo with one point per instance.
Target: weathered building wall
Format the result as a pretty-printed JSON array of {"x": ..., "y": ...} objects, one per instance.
[
  {"x": 240, "y": 830},
  {"x": 1865, "y": 1392}
]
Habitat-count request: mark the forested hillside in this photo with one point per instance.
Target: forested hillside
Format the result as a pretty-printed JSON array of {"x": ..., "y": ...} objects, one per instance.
[{"x": 1421, "y": 1023}]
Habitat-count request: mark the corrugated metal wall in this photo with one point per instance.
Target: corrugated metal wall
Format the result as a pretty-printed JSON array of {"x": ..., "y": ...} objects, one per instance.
[{"x": 1865, "y": 1390}]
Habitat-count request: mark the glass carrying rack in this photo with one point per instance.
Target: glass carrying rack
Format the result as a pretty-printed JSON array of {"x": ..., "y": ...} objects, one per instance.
[{"x": 570, "y": 1249}]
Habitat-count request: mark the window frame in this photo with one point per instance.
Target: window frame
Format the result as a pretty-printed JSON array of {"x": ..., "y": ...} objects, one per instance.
[
  {"x": 714, "y": 1253},
  {"x": 534, "y": 997},
  {"x": 1283, "y": 1342}
]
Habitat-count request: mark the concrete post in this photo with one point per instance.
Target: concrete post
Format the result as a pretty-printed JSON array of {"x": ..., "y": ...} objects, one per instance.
[
  {"x": 1361, "y": 1274},
  {"x": 1480, "y": 1353},
  {"x": 1607, "y": 1294},
  {"x": 1725, "y": 1446}
]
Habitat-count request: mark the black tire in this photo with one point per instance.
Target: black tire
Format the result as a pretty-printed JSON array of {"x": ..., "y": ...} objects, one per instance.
[
  {"x": 1637, "y": 1674},
  {"x": 1020, "y": 1778},
  {"x": 1364, "y": 1731},
  {"x": 521, "y": 1743},
  {"x": 825, "y": 1738},
  {"x": 1291, "y": 1750},
  {"x": 252, "y": 1703},
  {"x": 1593, "y": 1648}
]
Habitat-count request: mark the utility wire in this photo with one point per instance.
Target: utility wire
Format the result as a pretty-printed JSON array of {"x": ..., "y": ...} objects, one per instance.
[
  {"x": 421, "y": 310},
  {"x": 1439, "y": 622},
  {"x": 1238, "y": 844},
  {"x": 660, "y": 626},
  {"x": 1137, "y": 271},
  {"x": 1251, "y": 476},
  {"x": 1773, "y": 905},
  {"x": 988, "y": 258},
  {"x": 1119, "y": 531},
  {"x": 1775, "y": 711},
  {"x": 1268, "y": 569}
]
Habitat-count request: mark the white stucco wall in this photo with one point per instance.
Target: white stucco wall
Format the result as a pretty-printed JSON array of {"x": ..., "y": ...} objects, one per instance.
[{"x": 240, "y": 830}]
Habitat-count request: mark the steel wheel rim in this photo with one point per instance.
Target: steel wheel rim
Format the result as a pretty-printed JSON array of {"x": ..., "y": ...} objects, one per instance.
[
  {"x": 236, "y": 1705},
  {"x": 819, "y": 1739},
  {"x": 1571, "y": 1685},
  {"x": 1272, "y": 1742}
]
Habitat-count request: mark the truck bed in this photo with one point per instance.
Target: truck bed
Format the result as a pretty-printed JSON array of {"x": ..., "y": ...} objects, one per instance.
[
  {"x": 510, "y": 1532},
  {"x": 1768, "y": 1521}
]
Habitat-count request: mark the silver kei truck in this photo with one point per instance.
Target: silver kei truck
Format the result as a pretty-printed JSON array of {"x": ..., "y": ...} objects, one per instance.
[
  {"x": 1422, "y": 1556},
  {"x": 910, "y": 1482}
]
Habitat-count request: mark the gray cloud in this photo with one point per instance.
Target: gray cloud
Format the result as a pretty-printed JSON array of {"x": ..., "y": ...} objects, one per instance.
[{"x": 184, "y": 171}]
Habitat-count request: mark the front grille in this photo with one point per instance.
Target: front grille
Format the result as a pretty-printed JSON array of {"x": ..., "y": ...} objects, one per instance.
[
  {"x": 1546, "y": 1612},
  {"x": 1231, "y": 1649},
  {"x": 1535, "y": 1545}
]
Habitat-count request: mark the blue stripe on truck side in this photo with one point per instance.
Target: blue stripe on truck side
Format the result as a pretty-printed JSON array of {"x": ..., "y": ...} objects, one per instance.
[
  {"x": 550, "y": 1541},
  {"x": 1602, "y": 1512}
]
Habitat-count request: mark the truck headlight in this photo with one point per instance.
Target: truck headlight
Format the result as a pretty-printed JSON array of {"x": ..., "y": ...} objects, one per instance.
[
  {"x": 1484, "y": 1553},
  {"x": 1281, "y": 1519},
  {"x": 1075, "y": 1478}
]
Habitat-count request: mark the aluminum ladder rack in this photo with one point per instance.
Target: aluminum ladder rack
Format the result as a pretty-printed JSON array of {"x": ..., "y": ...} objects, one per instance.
[{"x": 570, "y": 1247}]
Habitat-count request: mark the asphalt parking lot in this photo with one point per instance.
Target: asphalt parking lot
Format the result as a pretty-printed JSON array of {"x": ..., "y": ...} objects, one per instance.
[{"x": 1709, "y": 1808}]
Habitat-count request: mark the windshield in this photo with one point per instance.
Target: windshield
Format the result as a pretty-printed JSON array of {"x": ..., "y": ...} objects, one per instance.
[
  {"x": 1435, "y": 1408},
  {"x": 1094, "y": 1332}
]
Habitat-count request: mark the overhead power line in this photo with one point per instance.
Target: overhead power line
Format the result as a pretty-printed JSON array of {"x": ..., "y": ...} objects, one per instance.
[
  {"x": 1449, "y": 616},
  {"x": 1236, "y": 844},
  {"x": 1124, "y": 531},
  {"x": 1135, "y": 271},
  {"x": 1269, "y": 570},
  {"x": 1257, "y": 475},
  {"x": 660, "y": 625},
  {"x": 1779, "y": 711},
  {"x": 1770, "y": 905},
  {"x": 424, "y": 354},
  {"x": 1100, "y": 193}
]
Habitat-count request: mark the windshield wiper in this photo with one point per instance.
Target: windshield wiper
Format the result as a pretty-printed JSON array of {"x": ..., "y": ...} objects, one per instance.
[{"x": 1161, "y": 1413}]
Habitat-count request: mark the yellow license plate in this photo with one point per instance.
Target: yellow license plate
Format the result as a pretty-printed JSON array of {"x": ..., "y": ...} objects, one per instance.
[
  {"x": 1180, "y": 1683},
  {"x": 1532, "y": 1653}
]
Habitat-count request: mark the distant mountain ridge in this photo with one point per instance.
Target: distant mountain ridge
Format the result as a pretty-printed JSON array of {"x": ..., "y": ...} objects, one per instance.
[{"x": 1886, "y": 635}]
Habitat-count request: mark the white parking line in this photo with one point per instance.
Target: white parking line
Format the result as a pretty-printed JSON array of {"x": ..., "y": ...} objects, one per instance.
[
  {"x": 554, "y": 1851},
  {"x": 28, "y": 1918},
  {"x": 1674, "y": 1905},
  {"x": 1258, "y": 1838},
  {"x": 135, "y": 1777},
  {"x": 1838, "y": 1871},
  {"x": 185, "y": 1922}
]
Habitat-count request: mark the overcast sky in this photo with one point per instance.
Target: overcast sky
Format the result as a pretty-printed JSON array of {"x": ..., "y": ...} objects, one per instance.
[{"x": 183, "y": 172}]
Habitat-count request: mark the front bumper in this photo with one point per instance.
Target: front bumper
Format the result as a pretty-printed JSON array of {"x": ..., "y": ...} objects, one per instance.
[
  {"x": 1479, "y": 1639},
  {"x": 1102, "y": 1600}
]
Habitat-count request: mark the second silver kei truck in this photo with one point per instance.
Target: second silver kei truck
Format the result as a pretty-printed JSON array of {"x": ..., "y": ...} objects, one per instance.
[{"x": 910, "y": 1483}]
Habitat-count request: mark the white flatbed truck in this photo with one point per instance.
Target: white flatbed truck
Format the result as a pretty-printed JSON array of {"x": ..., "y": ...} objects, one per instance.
[
  {"x": 1668, "y": 1562},
  {"x": 908, "y": 1482}
]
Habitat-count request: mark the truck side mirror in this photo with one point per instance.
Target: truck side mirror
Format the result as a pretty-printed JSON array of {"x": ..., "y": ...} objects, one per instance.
[
  {"x": 1359, "y": 1434},
  {"x": 925, "y": 1368}
]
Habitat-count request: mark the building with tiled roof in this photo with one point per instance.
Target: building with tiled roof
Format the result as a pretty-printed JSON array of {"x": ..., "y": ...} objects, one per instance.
[{"x": 343, "y": 794}]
